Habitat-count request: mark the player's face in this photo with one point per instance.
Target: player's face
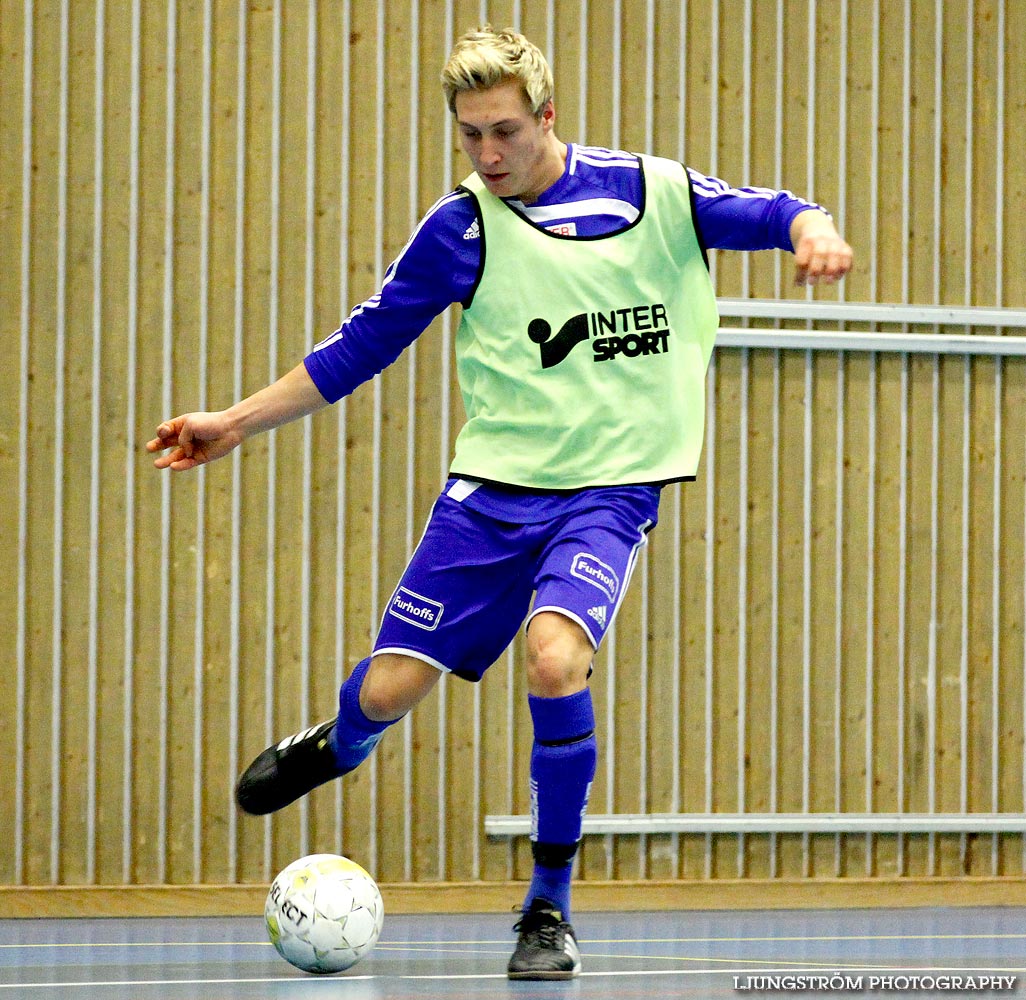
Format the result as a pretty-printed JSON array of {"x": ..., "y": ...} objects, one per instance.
[{"x": 512, "y": 150}]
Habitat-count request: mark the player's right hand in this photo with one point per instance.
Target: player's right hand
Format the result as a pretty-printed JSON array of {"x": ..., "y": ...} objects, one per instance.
[{"x": 193, "y": 439}]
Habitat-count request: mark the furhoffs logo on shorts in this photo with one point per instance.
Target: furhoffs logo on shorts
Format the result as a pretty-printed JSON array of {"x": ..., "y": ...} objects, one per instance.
[
  {"x": 586, "y": 567},
  {"x": 416, "y": 609}
]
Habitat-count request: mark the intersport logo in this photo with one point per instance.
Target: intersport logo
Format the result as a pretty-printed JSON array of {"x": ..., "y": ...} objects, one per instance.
[{"x": 629, "y": 332}]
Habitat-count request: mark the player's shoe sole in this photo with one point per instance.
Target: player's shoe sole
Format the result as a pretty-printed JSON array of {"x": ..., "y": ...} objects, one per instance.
[{"x": 287, "y": 771}]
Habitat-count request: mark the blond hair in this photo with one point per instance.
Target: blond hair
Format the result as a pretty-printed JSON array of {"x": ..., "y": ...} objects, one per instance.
[{"x": 485, "y": 57}]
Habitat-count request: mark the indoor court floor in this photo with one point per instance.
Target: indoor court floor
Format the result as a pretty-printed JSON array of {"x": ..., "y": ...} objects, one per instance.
[{"x": 626, "y": 956}]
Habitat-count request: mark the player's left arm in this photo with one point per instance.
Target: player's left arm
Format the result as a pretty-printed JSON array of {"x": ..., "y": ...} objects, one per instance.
[
  {"x": 757, "y": 218},
  {"x": 820, "y": 254}
]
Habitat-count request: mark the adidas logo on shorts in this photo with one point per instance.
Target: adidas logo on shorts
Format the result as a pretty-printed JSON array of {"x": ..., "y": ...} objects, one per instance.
[{"x": 599, "y": 614}]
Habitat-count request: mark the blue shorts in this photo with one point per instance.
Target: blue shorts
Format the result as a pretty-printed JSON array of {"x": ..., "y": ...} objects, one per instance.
[{"x": 469, "y": 586}]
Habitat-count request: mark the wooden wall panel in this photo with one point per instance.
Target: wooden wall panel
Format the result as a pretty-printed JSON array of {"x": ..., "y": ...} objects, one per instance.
[{"x": 831, "y": 618}]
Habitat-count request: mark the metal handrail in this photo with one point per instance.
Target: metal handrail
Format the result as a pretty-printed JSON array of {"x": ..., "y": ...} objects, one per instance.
[
  {"x": 871, "y": 312},
  {"x": 933, "y": 342},
  {"x": 902, "y": 343},
  {"x": 648, "y": 823}
]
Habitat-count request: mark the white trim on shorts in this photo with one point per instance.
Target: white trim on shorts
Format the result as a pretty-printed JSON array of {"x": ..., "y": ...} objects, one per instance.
[
  {"x": 566, "y": 614},
  {"x": 632, "y": 562},
  {"x": 415, "y": 654},
  {"x": 461, "y": 489}
]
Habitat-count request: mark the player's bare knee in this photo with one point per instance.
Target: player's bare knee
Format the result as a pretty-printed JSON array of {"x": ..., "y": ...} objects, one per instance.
[
  {"x": 558, "y": 656},
  {"x": 553, "y": 677},
  {"x": 394, "y": 685}
]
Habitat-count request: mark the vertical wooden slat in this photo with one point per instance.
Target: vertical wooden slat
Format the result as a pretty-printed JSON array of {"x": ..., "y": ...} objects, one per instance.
[
  {"x": 328, "y": 646},
  {"x": 175, "y": 573},
  {"x": 255, "y": 714},
  {"x": 340, "y": 450},
  {"x": 667, "y": 73},
  {"x": 726, "y": 620},
  {"x": 1009, "y": 722},
  {"x": 563, "y": 60},
  {"x": 662, "y": 749},
  {"x": 40, "y": 794},
  {"x": 75, "y": 711},
  {"x": 17, "y": 39},
  {"x": 999, "y": 196},
  {"x": 981, "y": 600},
  {"x": 984, "y": 236},
  {"x": 856, "y": 540},
  {"x": 146, "y": 374},
  {"x": 281, "y": 683},
  {"x": 278, "y": 684},
  {"x": 743, "y": 750},
  {"x": 1013, "y": 129},
  {"x": 760, "y": 755},
  {"x": 882, "y": 754},
  {"x": 15, "y": 529},
  {"x": 955, "y": 274},
  {"x": 823, "y": 434},
  {"x": 1013, "y": 287},
  {"x": 790, "y": 560},
  {"x": 131, "y": 358},
  {"x": 306, "y": 537},
  {"x": 204, "y": 28},
  {"x": 96, "y": 395},
  {"x": 225, "y": 583},
  {"x": 60, "y": 378},
  {"x": 840, "y": 570},
  {"x": 709, "y": 679},
  {"x": 949, "y": 678}
]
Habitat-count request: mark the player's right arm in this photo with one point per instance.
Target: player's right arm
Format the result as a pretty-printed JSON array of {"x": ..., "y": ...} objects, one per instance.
[
  {"x": 198, "y": 438},
  {"x": 437, "y": 267}
]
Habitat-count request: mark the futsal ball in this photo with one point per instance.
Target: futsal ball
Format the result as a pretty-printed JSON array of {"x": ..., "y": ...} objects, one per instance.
[{"x": 323, "y": 913}]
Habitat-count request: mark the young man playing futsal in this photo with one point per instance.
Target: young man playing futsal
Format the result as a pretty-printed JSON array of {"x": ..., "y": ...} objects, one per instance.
[{"x": 588, "y": 319}]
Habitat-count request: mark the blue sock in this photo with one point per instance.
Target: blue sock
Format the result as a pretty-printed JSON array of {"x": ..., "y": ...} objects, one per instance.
[
  {"x": 354, "y": 736},
  {"x": 563, "y": 761}
]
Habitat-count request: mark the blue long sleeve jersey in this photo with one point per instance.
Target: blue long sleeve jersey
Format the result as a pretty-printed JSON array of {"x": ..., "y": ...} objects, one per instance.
[{"x": 599, "y": 193}]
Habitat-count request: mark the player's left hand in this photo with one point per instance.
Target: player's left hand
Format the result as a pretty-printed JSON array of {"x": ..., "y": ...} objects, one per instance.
[{"x": 820, "y": 255}]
